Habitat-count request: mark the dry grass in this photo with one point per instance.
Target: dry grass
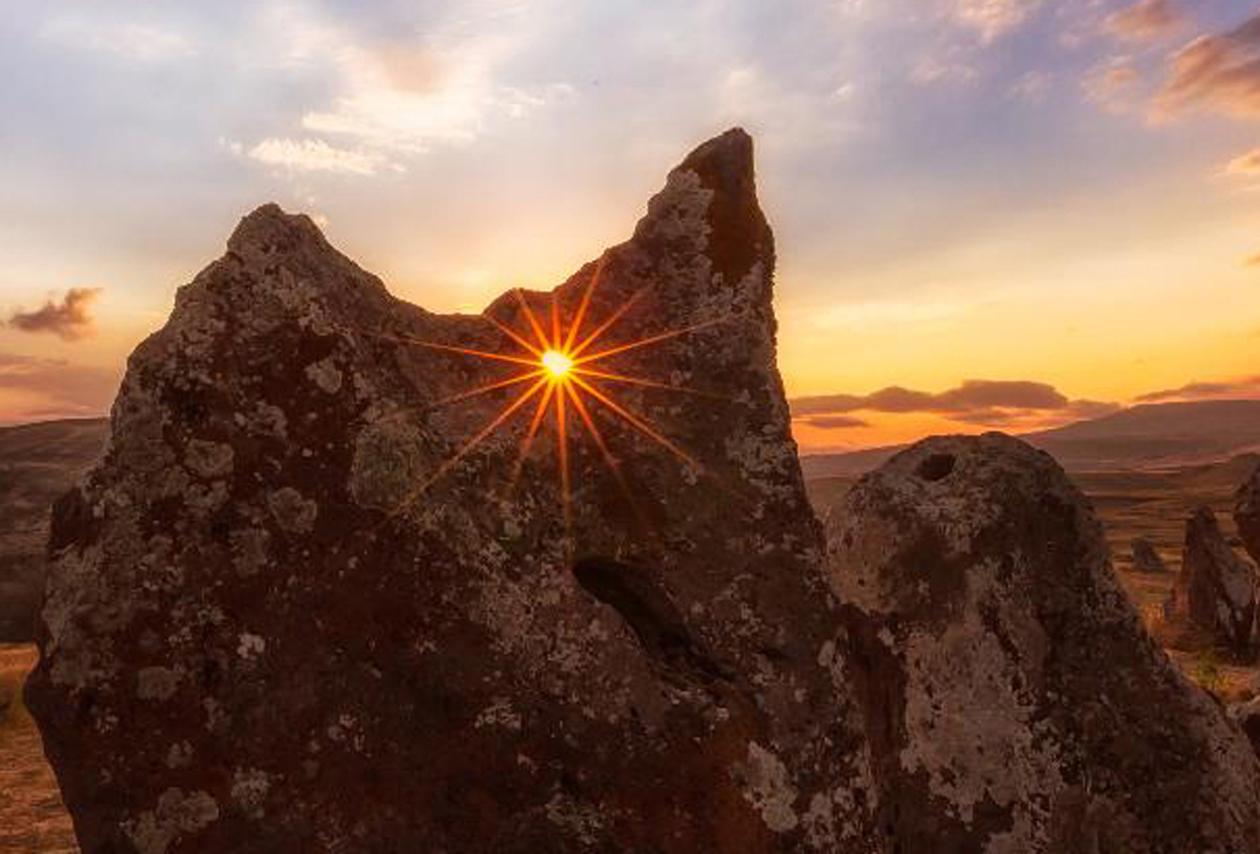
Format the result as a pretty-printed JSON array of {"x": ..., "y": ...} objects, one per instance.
[{"x": 32, "y": 816}]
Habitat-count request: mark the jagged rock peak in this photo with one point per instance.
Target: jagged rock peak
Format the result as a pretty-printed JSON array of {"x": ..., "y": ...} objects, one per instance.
[
  {"x": 294, "y": 609},
  {"x": 1012, "y": 698}
]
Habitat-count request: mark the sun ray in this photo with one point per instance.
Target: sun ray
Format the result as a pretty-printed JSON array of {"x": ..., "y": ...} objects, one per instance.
[
  {"x": 562, "y": 442},
  {"x": 644, "y": 342},
  {"x": 637, "y": 423},
  {"x": 565, "y": 374},
  {"x": 607, "y": 324},
  {"x": 472, "y": 443},
  {"x": 511, "y": 333},
  {"x": 614, "y": 465},
  {"x": 527, "y": 441},
  {"x": 622, "y": 378},
  {"x": 576, "y": 325},
  {"x": 532, "y": 319},
  {"x": 485, "y": 389},
  {"x": 555, "y": 322}
]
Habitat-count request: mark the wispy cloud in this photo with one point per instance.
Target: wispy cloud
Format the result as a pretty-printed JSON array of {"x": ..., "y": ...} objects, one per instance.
[
  {"x": 1145, "y": 20},
  {"x": 70, "y": 319},
  {"x": 1245, "y": 164},
  {"x": 1220, "y": 72},
  {"x": 314, "y": 155},
  {"x": 142, "y": 42},
  {"x": 1112, "y": 84},
  {"x": 1241, "y": 387},
  {"x": 993, "y": 18},
  {"x": 991, "y": 402},
  {"x": 394, "y": 98},
  {"x": 834, "y": 422}
]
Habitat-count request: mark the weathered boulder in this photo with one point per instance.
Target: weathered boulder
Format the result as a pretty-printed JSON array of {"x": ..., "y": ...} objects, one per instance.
[
  {"x": 1013, "y": 699},
  {"x": 1146, "y": 558},
  {"x": 292, "y": 611},
  {"x": 1247, "y": 515},
  {"x": 1216, "y": 589}
]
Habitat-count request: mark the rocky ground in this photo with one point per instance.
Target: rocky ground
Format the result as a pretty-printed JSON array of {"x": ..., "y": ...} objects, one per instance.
[{"x": 32, "y": 816}]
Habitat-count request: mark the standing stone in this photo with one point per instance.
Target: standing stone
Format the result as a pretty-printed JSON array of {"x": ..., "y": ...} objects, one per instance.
[
  {"x": 1013, "y": 700},
  {"x": 1146, "y": 559},
  {"x": 1247, "y": 515},
  {"x": 1216, "y": 589},
  {"x": 286, "y": 614}
]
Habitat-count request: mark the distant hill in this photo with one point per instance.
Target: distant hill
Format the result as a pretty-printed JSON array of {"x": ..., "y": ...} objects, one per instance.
[
  {"x": 1150, "y": 436},
  {"x": 38, "y": 462}
]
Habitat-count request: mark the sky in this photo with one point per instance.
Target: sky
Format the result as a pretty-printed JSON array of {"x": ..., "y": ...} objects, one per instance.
[{"x": 989, "y": 214}]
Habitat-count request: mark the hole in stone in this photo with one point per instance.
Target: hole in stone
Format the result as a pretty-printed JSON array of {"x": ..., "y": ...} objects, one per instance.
[
  {"x": 646, "y": 609},
  {"x": 936, "y": 467}
]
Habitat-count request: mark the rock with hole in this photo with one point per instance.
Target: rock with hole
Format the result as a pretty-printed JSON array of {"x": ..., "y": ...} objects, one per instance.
[
  {"x": 315, "y": 597},
  {"x": 1012, "y": 697}
]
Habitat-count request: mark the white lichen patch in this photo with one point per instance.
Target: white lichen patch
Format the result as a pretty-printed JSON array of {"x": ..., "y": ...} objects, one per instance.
[
  {"x": 156, "y": 683},
  {"x": 179, "y": 755},
  {"x": 292, "y": 511},
  {"x": 249, "y": 646},
  {"x": 767, "y": 785},
  {"x": 325, "y": 374},
  {"x": 501, "y": 714},
  {"x": 249, "y": 790},
  {"x": 208, "y": 460},
  {"x": 177, "y": 814}
]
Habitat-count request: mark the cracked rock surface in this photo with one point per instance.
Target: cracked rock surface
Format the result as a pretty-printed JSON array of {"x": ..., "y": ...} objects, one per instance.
[
  {"x": 1013, "y": 700},
  {"x": 278, "y": 620}
]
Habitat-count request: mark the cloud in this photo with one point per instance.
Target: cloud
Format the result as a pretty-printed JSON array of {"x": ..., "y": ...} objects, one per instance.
[
  {"x": 1245, "y": 164},
  {"x": 1031, "y": 87},
  {"x": 975, "y": 401},
  {"x": 1252, "y": 261},
  {"x": 993, "y": 18},
  {"x": 1110, "y": 84},
  {"x": 834, "y": 422},
  {"x": 70, "y": 320},
  {"x": 1145, "y": 20},
  {"x": 314, "y": 155},
  {"x": 1220, "y": 72},
  {"x": 1240, "y": 387},
  {"x": 392, "y": 97},
  {"x": 139, "y": 42}
]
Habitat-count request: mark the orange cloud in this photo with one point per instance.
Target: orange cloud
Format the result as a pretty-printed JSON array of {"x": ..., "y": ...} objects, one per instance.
[
  {"x": 987, "y": 402},
  {"x": 1145, "y": 20},
  {"x": 1219, "y": 71},
  {"x": 70, "y": 320},
  {"x": 1245, "y": 164},
  {"x": 1242, "y": 387}
]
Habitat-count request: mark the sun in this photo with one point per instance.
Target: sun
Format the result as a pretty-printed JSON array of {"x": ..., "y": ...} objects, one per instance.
[
  {"x": 557, "y": 363},
  {"x": 561, "y": 376}
]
